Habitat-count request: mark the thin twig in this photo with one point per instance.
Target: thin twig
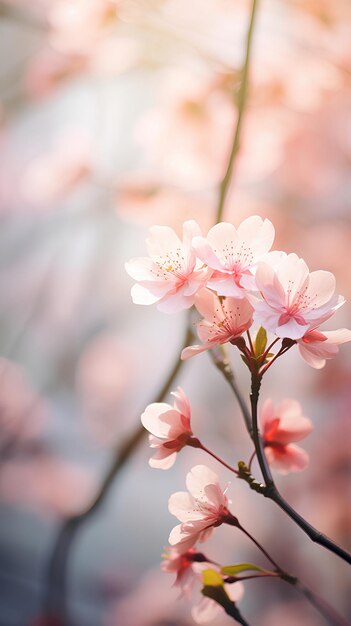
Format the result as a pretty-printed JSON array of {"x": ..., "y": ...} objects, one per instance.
[
  {"x": 223, "y": 365},
  {"x": 270, "y": 490},
  {"x": 242, "y": 98},
  {"x": 320, "y": 604}
]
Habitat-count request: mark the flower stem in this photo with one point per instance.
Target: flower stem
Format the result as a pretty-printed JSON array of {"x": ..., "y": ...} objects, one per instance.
[
  {"x": 271, "y": 490},
  {"x": 233, "y": 521},
  {"x": 251, "y": 459},
  {"x": 242, "y": 98},
  {"x": 319, "y": 603},
  {"x": 202, "y": 447},
  {"x": 269, "y": 348},
  {"x": 224, "y": 367}
]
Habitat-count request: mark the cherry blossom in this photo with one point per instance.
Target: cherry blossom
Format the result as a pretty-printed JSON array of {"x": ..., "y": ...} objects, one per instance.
[
  {"x": 234, "y": 253},
  {"x": 200, "y": 510},
  {"x": 181, "y": 564},
  {"x": 294, "y": 299},
  {"x": 188, "y": 567},
  {"x": 173, "y": 274},
  {"x": 169, "y": 427},
  {"x": 224, "y": 320},
  {"x": 281, "y": 427},
  {"x": 317, "y": 346}
]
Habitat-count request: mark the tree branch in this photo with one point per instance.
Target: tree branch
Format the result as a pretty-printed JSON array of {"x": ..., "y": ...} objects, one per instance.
[
  {"x": 56, "y": 596},
  {"x": 242, "y": 97}
]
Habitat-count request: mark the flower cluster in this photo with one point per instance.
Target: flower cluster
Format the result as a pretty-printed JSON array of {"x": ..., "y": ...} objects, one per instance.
[{"x": 235, "y": 280}]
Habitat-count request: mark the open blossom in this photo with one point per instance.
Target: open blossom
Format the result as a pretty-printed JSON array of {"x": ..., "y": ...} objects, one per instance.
[
  {"x": 293, "y": 299},
  {"x": 188, "y": 567},
  {"x": 200, "y": 510},
  {"x": 233, "y": 254},
  {"x": 224, "y": 320},
  {"x": 280, "y": 427},
  {"x": 317, "y": 346},
  {"x": 169, "y": 427},
  {"x": 181, "y": 564},
  {"x": 172, "y": 275}
]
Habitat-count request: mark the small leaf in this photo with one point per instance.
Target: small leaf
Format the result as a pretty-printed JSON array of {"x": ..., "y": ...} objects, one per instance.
[
  {"x": 260, "y": 341},
  {"x": 211, "y": 578},
  {"x": 233, "y": 570},
  {"x": 245, "y": 360}
]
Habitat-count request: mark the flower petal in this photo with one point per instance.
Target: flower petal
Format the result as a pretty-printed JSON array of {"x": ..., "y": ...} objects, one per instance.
[{"x": 152, "y": 420}]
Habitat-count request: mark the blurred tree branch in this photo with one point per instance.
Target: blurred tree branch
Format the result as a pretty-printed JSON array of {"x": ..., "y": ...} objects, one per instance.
[
  {"x": 241, "y": 99},
  {"x": 56, "y": 591}
]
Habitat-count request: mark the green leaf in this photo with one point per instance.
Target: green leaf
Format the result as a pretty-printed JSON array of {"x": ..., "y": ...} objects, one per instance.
[
  {"x": 260, "y": 341},
  {"x": 211, "y": 578},
  {"x": 233, "y": 570},
  {"x": 245, "y": 360}
]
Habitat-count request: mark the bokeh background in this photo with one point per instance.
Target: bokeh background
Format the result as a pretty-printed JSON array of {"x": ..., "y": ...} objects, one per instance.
[{"x": 116, "y": 115}]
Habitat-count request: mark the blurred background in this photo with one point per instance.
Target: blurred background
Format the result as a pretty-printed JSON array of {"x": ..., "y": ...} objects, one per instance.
[{"x": 116, "y": 115}]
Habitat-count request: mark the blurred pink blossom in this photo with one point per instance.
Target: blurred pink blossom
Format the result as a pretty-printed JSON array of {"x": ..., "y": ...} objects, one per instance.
[
  {"x": 281, "y": 427},
  {"x": 56, "y": 487},
  {"x": 140, "y": 198},
  {"x": 200, "y": 510},
  {"x": 48, "y": 68},
  {"x": 152, "y": 600},
  {"x": 169, "y": 427},
  {"x": 233, "y": 254},
  {"x": 224, "y": 320},
  {"x": 103, "y": 377},
  {"x": 76, "y": 26},
  {"x": 186, "y": 137},
  {"x": 53, "y": 175},
  {"x": 173, "y": 275},
  {"x": 22, "y": 410}
]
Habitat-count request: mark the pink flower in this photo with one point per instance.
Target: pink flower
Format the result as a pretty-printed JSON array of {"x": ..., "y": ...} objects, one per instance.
[
  {"x": 188, "y": 567},
  {"x": 173, "y": 274},
  {"x": 294, "y": 299},
  {"x": 233, "y": 254},
  {"x": 224, "y": 320},
  {"x": 181, "y": 564},
  {"x": 169, "y": 427},
  {"x": 317, "y": 346},
  {"x": 281, "y": 426},
  {"x": 204, "y": 507}
]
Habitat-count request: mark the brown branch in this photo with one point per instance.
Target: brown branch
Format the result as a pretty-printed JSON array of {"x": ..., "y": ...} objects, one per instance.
[{"x": 56, "y": 596}]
